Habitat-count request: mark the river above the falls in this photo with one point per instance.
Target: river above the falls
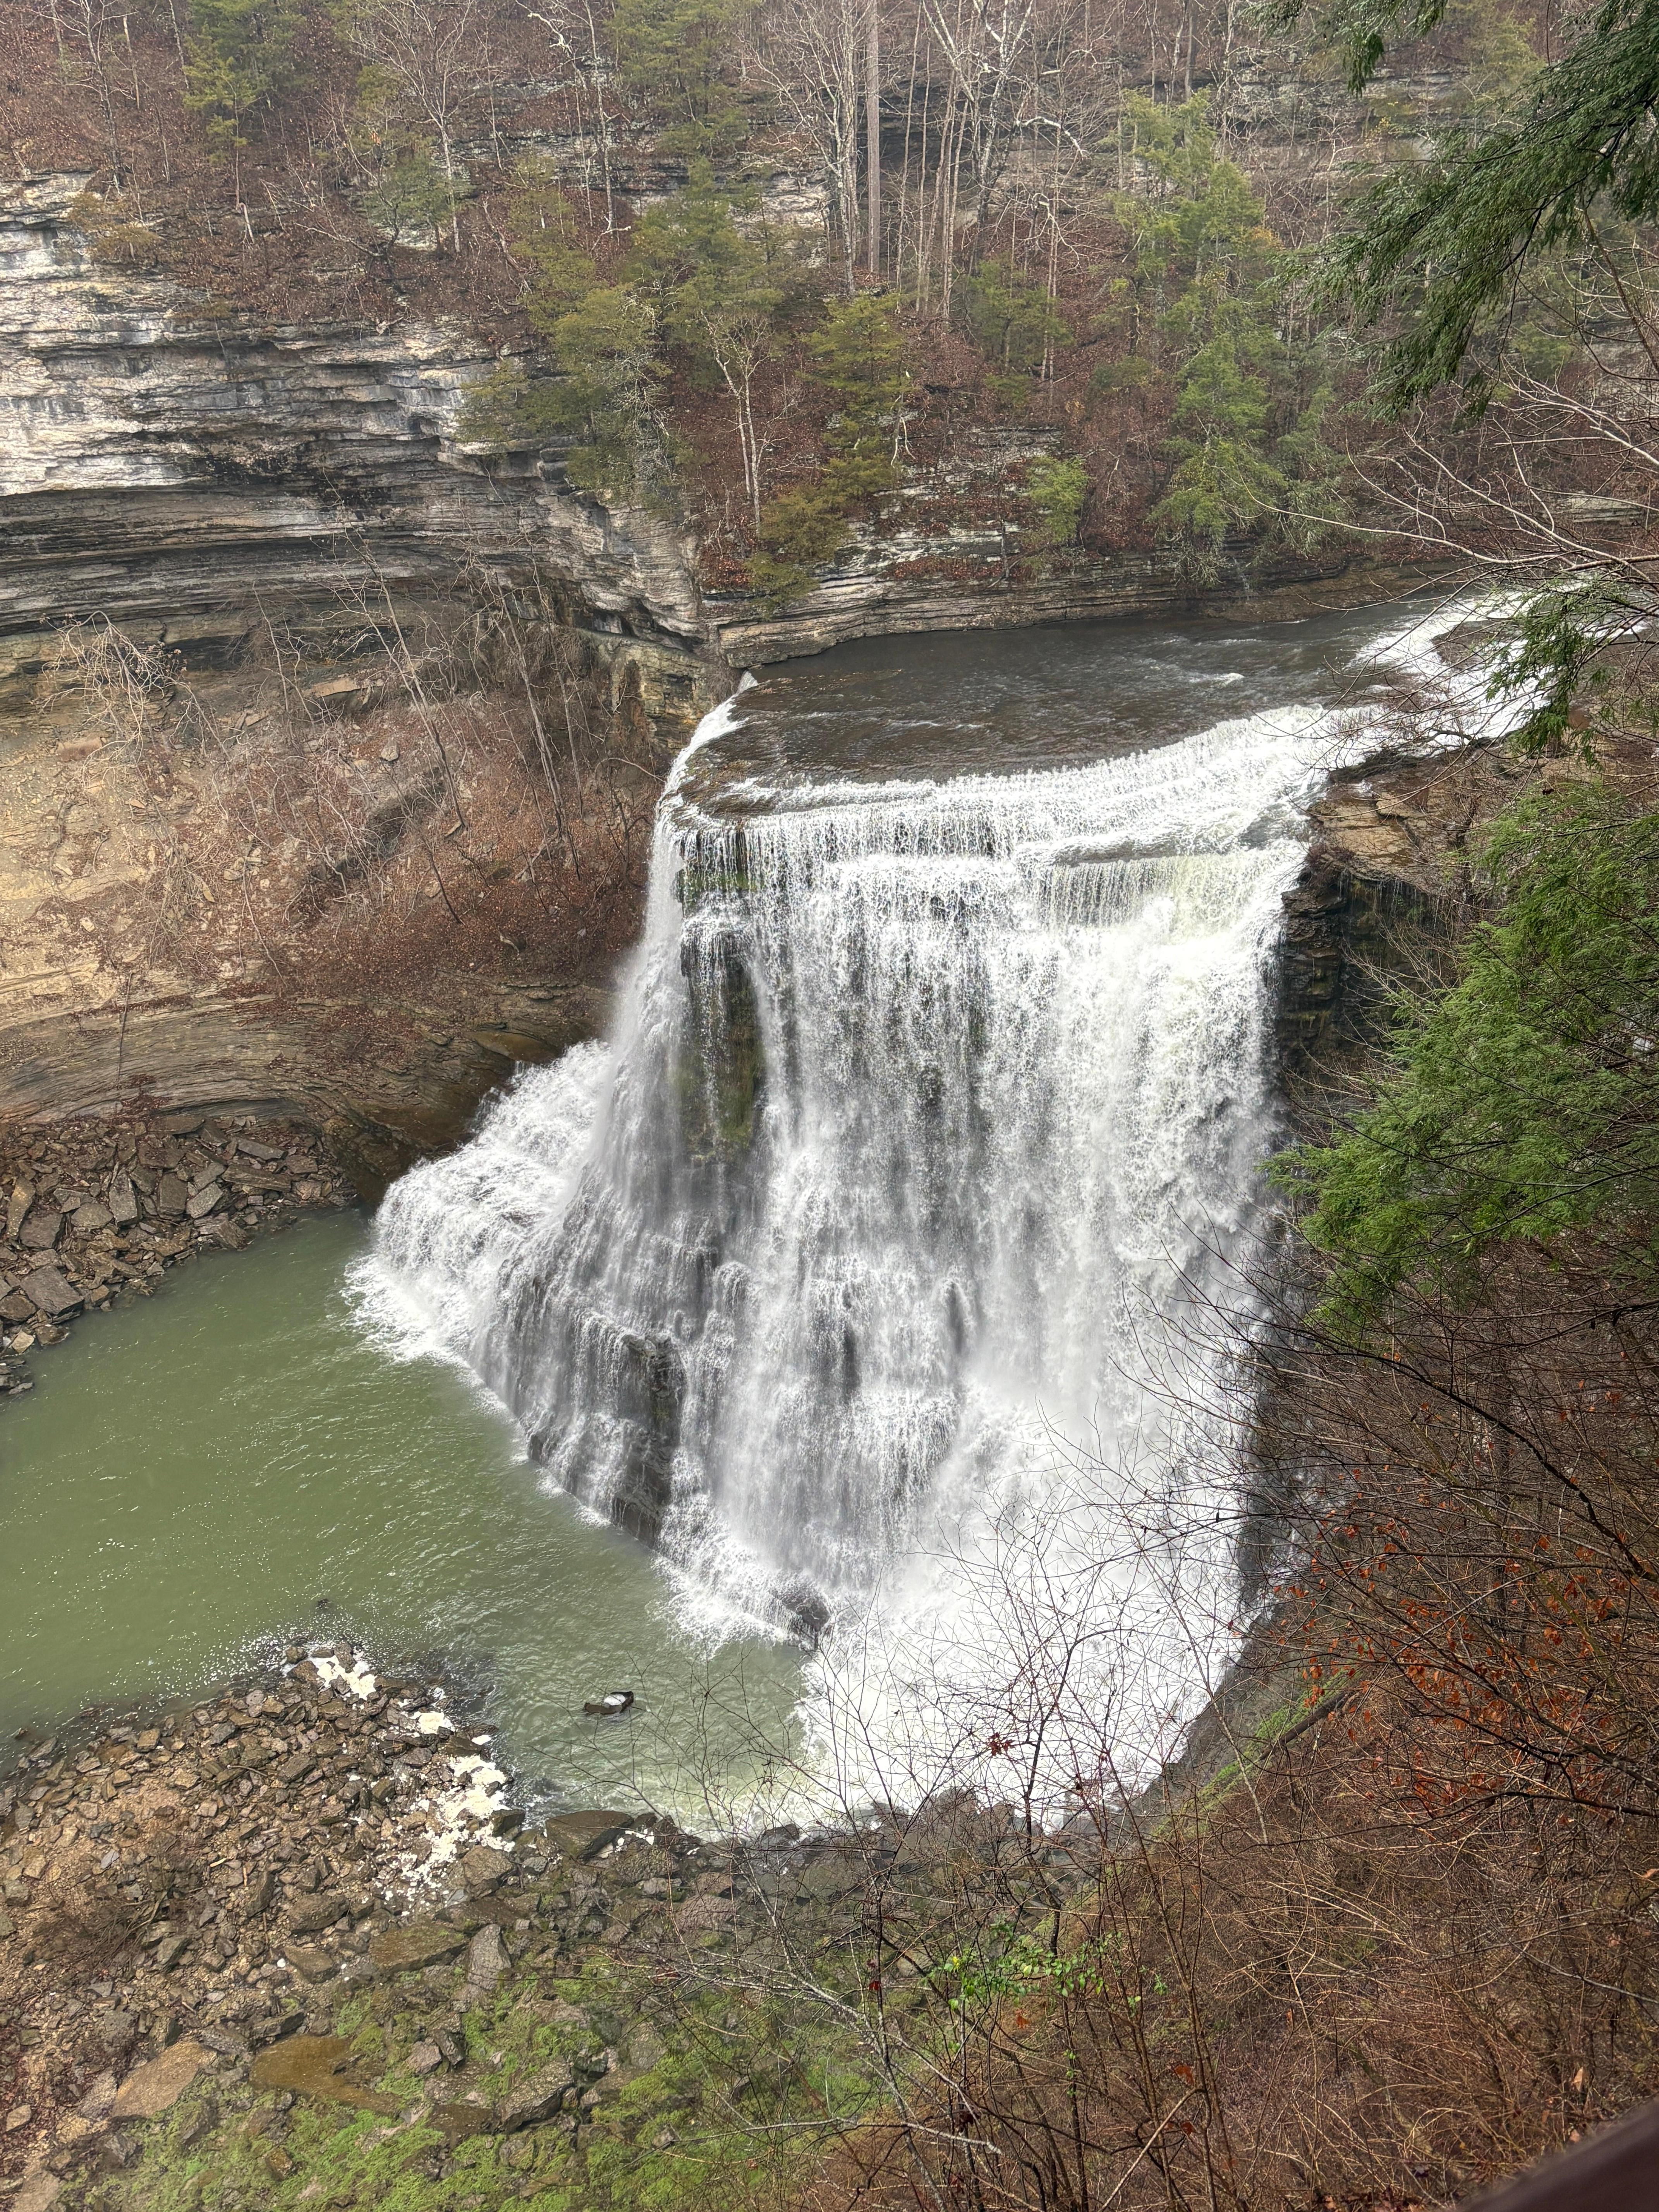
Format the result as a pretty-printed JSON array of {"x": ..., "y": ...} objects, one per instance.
[{"x": 881, "y": 1316}]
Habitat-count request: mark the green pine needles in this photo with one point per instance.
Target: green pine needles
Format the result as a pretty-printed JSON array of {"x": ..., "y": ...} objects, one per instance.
[
  {"x": 1444, "y": 243},
  {"x": 1522, "y": 1106}
]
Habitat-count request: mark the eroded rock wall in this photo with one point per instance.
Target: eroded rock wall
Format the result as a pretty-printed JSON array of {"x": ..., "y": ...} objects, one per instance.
[{"x": 282, "y": 524}]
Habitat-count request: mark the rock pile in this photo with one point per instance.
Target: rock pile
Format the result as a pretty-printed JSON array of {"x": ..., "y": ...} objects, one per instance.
[
  {"x": 96, "y": 1209},
  {"x": 295, "y": 1945},
  {"x": 216, "y": 1870},
  {"x": 202, "y": 1898}
]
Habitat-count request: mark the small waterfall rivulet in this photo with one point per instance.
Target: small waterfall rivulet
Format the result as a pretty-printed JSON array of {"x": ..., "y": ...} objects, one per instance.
[{"x": 870, "y": 1270}]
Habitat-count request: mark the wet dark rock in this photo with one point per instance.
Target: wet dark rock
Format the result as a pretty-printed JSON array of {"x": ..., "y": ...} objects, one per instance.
[
  {"x": 467, "y": 2118},
  {"x": 314, "y": 2066},
  {"x": 610, "y": 1706},
  {"x": 583, "y": 1835}
]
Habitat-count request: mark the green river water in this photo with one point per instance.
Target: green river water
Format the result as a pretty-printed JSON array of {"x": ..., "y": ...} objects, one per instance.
[{"x": 192, "y": 1474}]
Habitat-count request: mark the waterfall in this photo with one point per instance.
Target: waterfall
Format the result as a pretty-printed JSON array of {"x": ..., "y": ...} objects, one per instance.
[{"x": 872, "y": 1271}]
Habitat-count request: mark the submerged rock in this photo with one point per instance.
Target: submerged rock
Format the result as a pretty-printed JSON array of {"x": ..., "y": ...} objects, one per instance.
[{"x": 583, "y": 1835}]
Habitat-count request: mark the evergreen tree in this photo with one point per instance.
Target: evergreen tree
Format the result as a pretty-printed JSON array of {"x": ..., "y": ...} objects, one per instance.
[
  {"x": 1201, "y": 304},
  {"x": 1523, "y": 1105},
  {"x": 1013, "y": 322},
  {"x": 858, "y": 357},
  {"x": 1446, "y": 242},
  {"x": 542, "y": 223},
  {"x": 238, "y": 57},
  {"x": 412, "y": 195},
  {"x": 1058, "y": 490},
  {"x": 720, "y": 296},
  {"x": 675, "y": 54},
  {"x": 603, "y": 405}
]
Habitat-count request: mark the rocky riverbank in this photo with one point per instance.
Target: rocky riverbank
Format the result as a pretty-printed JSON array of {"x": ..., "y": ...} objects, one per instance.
[
  {"x": 96, "y": 1211},
  {"x": 295, "y": 1945}
]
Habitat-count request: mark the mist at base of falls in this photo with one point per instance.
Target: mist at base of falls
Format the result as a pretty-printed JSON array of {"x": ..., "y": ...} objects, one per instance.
[{"x": 884, "y": 1269}]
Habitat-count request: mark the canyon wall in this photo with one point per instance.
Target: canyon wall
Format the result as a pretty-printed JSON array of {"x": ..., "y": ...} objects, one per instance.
[{"x": 239, "y": 557}]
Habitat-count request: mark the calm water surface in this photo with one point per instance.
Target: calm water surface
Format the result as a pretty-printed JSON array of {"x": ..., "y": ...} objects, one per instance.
[{"x": 189, "y": 1475}]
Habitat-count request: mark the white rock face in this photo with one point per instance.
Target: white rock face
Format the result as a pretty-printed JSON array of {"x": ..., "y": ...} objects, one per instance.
[{"x": 160, "y": 463}]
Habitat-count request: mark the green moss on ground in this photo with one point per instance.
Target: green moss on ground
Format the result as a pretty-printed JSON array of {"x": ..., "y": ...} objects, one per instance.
[{"x": 689, "y": 2101}]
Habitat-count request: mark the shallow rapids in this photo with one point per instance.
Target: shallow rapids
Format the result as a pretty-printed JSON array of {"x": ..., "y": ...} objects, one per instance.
[{"x": 884, "y": 1270}]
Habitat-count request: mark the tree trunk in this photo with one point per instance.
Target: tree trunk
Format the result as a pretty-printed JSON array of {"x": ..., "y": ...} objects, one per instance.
[{"x": 872, "y": 142}]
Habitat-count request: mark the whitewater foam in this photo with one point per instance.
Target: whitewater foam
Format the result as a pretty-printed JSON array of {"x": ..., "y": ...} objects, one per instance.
[{"x": 882, "y": 1270}]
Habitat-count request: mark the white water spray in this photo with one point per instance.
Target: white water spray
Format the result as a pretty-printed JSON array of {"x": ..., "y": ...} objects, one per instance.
[{"x": 869, "y": 1271}]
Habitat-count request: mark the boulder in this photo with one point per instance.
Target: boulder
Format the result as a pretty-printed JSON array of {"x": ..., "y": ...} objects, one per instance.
[
  {"x": 202, "y": 1202},
  {"x": 41, "y": 1230},
  {"x": 486, "y": 1961},
  {"x": 156, "y": 2087},
  {"x": 420, "y": 1943},
  {"x": 123, "y": 1200},
  {"x": 482, "y": 1870},
  {"x": 537, "y": 2098},
  {"x": 95, "y": 2105},
  {"x": 88, "y": 1219},
  {"x": 172, "y": 1196},
  {"x": 309, "y": 1915},
  {"x": 49, "y": 1291},
  {"x": 17, "y": 1206},
  {"x": 118, "y": 2031}
]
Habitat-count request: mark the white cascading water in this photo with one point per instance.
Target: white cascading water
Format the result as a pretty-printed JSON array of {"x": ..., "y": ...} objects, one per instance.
[{"x": 872, "y": 1271}]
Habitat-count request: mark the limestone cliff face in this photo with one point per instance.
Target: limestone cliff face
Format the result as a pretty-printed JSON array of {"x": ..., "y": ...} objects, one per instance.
[
  {"x": 1386, "y": 892},
  {"x": 265, "y": 510},
  {"x": 191, "y": 475},
  {"x": 286, "y": 517}
]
